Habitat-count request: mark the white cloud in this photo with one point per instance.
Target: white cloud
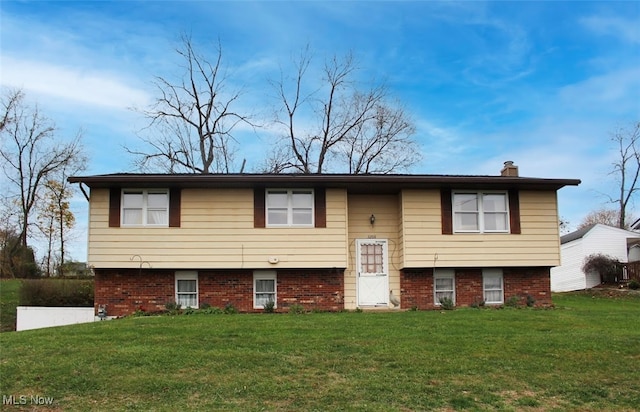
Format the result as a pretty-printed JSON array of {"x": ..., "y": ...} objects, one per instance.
[
  {"x": 71, "y": 83},
  {"x": 626, "y": 29},
  {"x": 613, "y": 91}
]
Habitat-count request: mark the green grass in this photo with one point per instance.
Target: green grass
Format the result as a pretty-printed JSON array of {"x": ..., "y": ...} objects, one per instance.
[
  {"x": 9, "y": 297},
  {"x": 582, "y": 356}
]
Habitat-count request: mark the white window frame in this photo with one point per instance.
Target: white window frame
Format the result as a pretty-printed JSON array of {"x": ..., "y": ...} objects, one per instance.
[
  {"x": 444, "y": 274},
  {"x": 480, "y": 212},
  {"x": 492, "y": 274},
  {"x": 145, "y": 207},
  {"x": 187, "y": 275},
  {"x": 290, "y": 194},
  {"x": 265, "y": 275}
]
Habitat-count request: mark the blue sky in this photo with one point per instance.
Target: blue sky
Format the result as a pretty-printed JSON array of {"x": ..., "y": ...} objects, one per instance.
[{"x": 540, "y": 83}]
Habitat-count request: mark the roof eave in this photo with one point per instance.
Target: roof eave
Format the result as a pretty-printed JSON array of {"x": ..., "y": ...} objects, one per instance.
[{"x": 357, "y": 182}]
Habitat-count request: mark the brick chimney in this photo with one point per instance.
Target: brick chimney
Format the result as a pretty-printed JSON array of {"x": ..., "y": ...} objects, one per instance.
[{"x": 509, "y": 169}]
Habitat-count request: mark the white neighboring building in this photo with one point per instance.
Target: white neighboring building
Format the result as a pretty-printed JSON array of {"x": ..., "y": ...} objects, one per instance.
[{"x": 575, "y": 246}]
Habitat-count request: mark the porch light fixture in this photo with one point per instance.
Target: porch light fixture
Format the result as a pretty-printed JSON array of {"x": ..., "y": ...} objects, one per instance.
[{"x": 372, "y": 219}]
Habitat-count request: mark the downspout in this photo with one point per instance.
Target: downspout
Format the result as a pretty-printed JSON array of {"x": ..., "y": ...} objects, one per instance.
[{"x": 86, "y": 196}]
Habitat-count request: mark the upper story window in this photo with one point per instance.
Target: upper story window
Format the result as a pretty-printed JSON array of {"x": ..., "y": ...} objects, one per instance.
[
  {"x": 290, "y": 207},
  {"x": 480, "y": 212},
  {"x": 145, "y": 207}
]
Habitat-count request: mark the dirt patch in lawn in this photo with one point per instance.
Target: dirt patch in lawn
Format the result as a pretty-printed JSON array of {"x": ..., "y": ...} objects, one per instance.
[{"x": 611, "y": 291}]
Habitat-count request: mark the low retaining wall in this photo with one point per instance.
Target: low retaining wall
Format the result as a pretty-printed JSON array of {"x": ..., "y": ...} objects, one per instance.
[{"x": 36, "y": 317}]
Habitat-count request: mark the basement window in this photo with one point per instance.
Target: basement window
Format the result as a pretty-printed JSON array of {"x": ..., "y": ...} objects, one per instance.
[
  {"x": 187, "y": 289},
  {"x": 264, "y": 288},
  {"x": 444, "y": 285},
  {"x": 493, "y": 286}
]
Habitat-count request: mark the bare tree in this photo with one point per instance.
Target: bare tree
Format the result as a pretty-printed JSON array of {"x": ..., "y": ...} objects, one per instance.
[
  {"x": 192, "y": 120},
  {"x": 563, "y": 225},
  {"x": 609, "y": 217},
  {"x": 381, "y": 145},
  {"x": 336, "y": 126},
  {"x": 626, "y": 168},
  {"x": 10, "y": 99},
  {"x": 31, "y": 154}
]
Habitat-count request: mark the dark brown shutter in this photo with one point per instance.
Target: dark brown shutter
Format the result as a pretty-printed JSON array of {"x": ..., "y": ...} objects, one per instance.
[
  {"x": 114, "y": 207},
  {"x": 514, "y": 211},
  {"x": 320, "y": 206},
  {"x": 447, "y": 212},
  {"x": 174, "y": 207},
  {"x": 258, "y": 208}
]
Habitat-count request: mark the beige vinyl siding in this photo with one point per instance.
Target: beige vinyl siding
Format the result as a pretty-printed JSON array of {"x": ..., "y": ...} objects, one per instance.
[
  {"x": 400, "y": 229},
  {"x": 425, "y": 246},
  {"x": 386, "y": 210},
  {"x": 216, "y": 231}
]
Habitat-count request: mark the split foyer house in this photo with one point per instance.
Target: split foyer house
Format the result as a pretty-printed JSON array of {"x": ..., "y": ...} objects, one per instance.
[{"x": 327, "y": 242}]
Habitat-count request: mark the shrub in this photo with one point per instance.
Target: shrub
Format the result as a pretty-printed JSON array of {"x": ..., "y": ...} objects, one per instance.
[
  {"x": 296, "y": 309},
  {"x": 140, "y": 312},
  {"x": 609, "y": 268},
  {"x": 269, "y": 307},
  {"x": 18, "y": 260},
  {"x": 211, "y": 310},
  {"x": 634, "y": 284},
  {"x": 229, "y": 309},
  {"x": 513, "y": 301},
  {"x": 477, "y": 304},
  {"x": 446, "y": 303},
  {"x": 530, "y": 301},
  {"x": 170, "y": 306},
  {"x": 173, "y": 308},
  {"x": 57, "y": 292}
]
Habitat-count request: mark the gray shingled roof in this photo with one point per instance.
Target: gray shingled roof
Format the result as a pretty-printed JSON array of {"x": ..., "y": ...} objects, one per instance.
[{"x": 570, "y": 237}]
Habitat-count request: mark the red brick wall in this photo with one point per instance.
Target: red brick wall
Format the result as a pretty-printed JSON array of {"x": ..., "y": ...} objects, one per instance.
[
  {"x": 126, "y": 290},
  {"x": 468, "y": 286},
  {"x": 417, "y": 286},
  {"x": 535, "y": 281},
  {"x": 313, "y": 289}
]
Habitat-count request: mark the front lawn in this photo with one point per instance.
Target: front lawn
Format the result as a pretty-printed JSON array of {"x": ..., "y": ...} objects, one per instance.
[
  {"x": 583, "y": 356},
  {"x": 9, "y": 297}
]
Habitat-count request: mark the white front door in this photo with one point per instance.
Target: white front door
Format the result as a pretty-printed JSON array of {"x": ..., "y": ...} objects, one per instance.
[{"x": 373, "y": 272}]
